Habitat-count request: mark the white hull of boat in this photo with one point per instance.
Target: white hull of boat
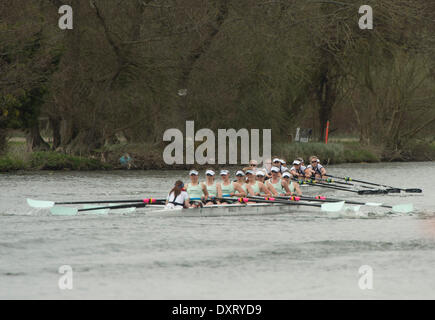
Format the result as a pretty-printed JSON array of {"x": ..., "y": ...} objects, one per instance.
[{"x": 227, "y": 210}]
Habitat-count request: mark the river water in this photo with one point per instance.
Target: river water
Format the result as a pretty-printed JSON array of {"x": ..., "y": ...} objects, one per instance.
[{"x": 288, "y": 256}]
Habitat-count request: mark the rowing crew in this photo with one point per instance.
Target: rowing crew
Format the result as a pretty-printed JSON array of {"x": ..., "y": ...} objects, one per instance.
[
  {"x": 298, "y": 170},
  {"x": 249, "y": 183}
]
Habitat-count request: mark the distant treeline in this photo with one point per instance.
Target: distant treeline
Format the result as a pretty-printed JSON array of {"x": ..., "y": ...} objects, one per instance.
[{"x": 129, "y": 70}]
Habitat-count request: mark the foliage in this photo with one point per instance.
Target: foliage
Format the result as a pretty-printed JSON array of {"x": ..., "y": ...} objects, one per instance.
[{"x": 136, "y": 68}]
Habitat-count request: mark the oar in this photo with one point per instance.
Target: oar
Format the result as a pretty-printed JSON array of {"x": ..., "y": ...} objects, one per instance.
[
  {"x": 365, "y": 192},
  {"x": 41, "y": 204},
  {"x": 400, "y": 208},
  {"x": 328, "y": 207},
  {"x": 391, "y": 189},
  {"x": 329, "y": 180},
  {"x": 69, "y": 211}
]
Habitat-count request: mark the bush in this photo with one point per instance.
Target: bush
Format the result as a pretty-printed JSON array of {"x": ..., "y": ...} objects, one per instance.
[
  {"x": 59, "y": 161},
  {"x": 8, "y": 164}
]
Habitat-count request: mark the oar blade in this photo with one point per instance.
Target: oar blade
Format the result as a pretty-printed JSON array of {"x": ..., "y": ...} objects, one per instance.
[
  {"x": 403, "y": 208},
  {"x": 332, "y": 206},
  {"x": 40, "y": 204},
  {"x": 64, "y": 211}
]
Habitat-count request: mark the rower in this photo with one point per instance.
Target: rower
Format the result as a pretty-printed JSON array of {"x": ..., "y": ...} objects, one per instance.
[
  {"x": 302, "y": 161},
  {"x": 177, "y": 197},
  {"x": 278, "y": 186},
  {"x": 315, "y": 170},
  {"x": 241, "y": 180},
  {"x": 293, "y": 185},
  {"x": 283, "y": 166},
  {"x": 213, "y": 188},
  {"x": 276, "y": 162},
  {"x": 260, "y": 176},
  {"x": 298, "y": 170},
  {"x": 196, "y": 190},
  {"x": 253, "y": 164},
  {"x": 266, "y": 168},
  {"x": 257, "y": 187},
  {"x": 230, "y": 187}
]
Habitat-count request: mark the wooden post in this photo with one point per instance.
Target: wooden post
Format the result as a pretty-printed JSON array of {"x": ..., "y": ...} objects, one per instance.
[{"x": 327, "y": 130}]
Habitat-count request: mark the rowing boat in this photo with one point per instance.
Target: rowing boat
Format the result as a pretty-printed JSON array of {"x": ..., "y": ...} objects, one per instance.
[{"x": 254, "y": 209}]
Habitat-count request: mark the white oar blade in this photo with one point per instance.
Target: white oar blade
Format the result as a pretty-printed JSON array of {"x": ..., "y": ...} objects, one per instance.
[
  {"x": 403, "y": 208},
  {"x": 332, "y": 206},
  {"x": 64, "y": 211},
  {"x": 373, "y": 204},
  {"x": 40, "y": 203},
  {"x": 99, "y": 211}
]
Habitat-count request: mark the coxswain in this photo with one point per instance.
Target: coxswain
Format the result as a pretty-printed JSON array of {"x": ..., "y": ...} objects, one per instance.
[{"x": 177, "y": 197}]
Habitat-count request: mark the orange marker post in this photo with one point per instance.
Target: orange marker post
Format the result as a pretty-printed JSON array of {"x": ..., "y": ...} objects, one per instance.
[{"x": 327, "y": 131}]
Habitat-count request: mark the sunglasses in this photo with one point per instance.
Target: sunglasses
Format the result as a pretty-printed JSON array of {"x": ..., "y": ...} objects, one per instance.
[
  {"x": 313, "y": 161},
  {"x": 239, "y": 175},
  {"x": 210, "y": 175},
  {"x": 253, "y": 165}
]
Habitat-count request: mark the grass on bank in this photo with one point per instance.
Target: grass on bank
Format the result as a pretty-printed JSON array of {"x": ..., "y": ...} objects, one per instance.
[
  {"x": 18, "y": 158},
  {"x": 148, "y": 156}
]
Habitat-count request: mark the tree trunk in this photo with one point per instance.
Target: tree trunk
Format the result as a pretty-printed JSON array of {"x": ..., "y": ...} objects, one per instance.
[
  {"x": 34, "y": 140},
  {"x": 68, "y": 132},
  {"x": 326, "y": 96},
  {"x": 3, "y": 141},
  {"x": 55, "y": 127}
]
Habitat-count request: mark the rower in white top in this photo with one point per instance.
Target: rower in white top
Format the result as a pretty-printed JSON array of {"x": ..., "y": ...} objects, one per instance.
[
  {"x": 298, "y": 170},
  {"x": 315, "y": 170}
]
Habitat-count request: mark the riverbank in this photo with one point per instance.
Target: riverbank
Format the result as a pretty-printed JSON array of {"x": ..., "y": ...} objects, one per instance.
[{"x": 146, "y": 157}]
